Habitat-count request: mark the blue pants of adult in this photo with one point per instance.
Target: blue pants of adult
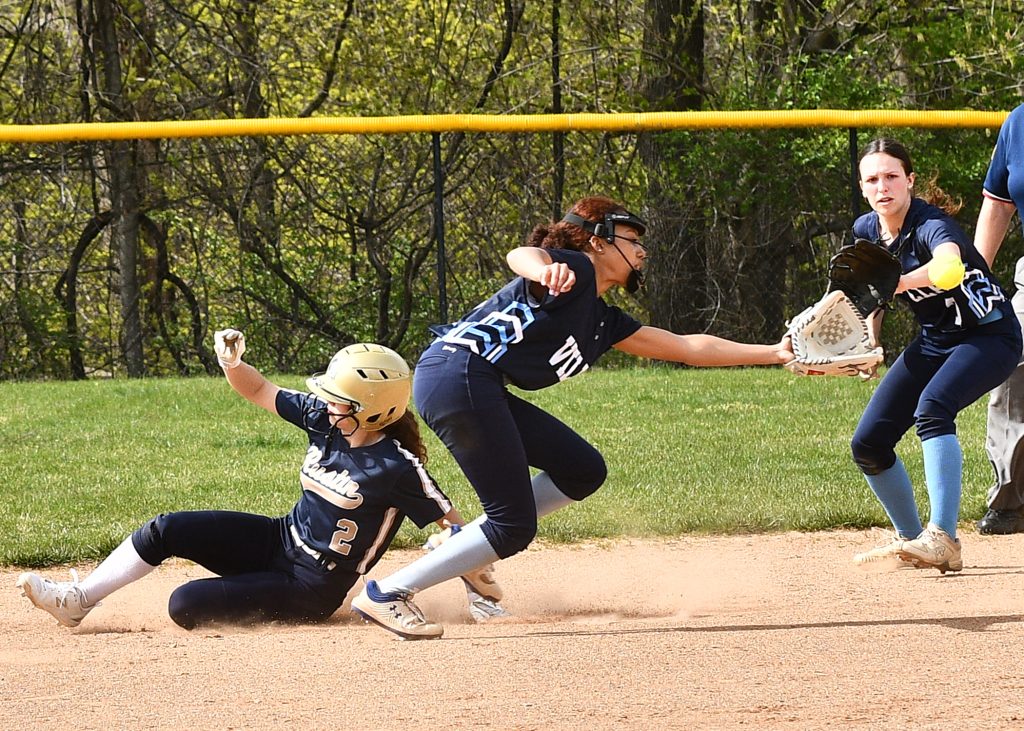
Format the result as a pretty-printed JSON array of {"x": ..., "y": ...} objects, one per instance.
[
  {"x": 496, "y": 437},
  {"x": 262, "y": 575},
  {"x": 934, "y": 379}
]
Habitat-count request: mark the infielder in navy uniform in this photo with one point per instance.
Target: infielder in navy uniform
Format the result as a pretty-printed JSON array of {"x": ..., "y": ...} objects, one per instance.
[
  {"x": 362, "y": 474},
  {"x": 546, "y": 325},
  {"x": 969, "y": 343}
]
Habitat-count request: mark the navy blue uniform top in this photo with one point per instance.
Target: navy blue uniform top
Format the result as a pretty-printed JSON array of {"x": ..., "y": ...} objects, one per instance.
[
  {"x": 540, "y": 343},
  {"x": 354, "y": 498},
  {"x": 925, "y": 228},
  {"x": 1005, "y": 178}
]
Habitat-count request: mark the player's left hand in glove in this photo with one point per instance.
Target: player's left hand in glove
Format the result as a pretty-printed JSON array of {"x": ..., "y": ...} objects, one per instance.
[
  {"x": 482, "y": 589},
  {"x": 867, "y": 273},
  {"x": 832, "y": 338},
  {"x": 229, "y": 345}
]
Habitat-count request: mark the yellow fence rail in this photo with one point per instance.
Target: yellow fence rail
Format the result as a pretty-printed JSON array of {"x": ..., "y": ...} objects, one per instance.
[{"x": 435, "y": 123}]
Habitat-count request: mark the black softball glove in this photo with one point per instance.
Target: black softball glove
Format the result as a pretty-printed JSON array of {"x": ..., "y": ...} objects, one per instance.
[{"x": 866, "y": 272}]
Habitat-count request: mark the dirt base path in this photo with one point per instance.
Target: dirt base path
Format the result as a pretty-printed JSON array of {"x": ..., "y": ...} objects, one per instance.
[{"x": 766, "y": 632}]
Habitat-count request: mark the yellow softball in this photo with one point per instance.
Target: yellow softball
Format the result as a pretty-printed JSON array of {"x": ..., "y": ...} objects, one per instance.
[{"x": 946, "y": 271}]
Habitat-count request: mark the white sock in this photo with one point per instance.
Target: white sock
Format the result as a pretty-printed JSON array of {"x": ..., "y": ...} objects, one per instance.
[
  {"x": 466, "y": 550},
  {"x": 123, "y": 566},
  {"x": 547, "y": 496},
  {"x": 469, "y": 549}
]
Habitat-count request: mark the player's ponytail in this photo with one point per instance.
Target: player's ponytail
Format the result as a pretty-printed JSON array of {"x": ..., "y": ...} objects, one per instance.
[
  {"x": 406, "y": 430},
  {"x": 932, "y": 193},
  {"x": 564, "y": 235}
]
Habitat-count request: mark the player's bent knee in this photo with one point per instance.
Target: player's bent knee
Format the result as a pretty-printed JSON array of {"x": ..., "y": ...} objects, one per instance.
[
  {"x": 583, "y": 482},
  {"x": 508, "y": 540},
  {"x": 148, "y": 540},
  {"x": 870, "y": 461},
  {"x": 180, "y": 609},
  {"x": 933, "y": 423}
]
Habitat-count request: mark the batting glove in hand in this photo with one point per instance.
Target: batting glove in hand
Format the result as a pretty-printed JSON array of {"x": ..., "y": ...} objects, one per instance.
[{"x": 229, "y": 345}]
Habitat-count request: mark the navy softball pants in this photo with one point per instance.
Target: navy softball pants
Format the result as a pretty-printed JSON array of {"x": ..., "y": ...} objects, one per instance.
[
  {"x": 262, "y": 576},
  {"x": 496, "y": 437},
  {"x": 933, "y": 380}
]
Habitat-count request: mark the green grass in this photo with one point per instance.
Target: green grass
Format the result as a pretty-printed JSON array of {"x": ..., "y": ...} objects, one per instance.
[{"x": 688, "y": 451}]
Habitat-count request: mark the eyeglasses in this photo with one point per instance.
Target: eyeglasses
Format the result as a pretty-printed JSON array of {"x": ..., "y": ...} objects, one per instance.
[{"x": 635, "y": 242}]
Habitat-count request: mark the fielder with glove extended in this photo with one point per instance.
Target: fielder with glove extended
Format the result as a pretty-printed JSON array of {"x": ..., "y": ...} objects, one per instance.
[{"x": 838, "y": 335}]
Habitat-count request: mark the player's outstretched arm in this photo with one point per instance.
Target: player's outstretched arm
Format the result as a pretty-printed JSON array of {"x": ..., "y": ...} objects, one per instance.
[
  {"x": 945, "y": 270},
  {"x": 702, "y": 350},
  {"x": 248, "y": 382}
]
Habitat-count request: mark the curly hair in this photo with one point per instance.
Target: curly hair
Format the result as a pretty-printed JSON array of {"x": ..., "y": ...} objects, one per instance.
[
  {"x": 562, "y": 235},
  {"x": 406, "y": 430}
]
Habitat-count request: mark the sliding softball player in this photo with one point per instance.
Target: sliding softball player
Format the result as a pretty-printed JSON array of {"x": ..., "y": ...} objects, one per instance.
[{"x": 361, "y": 476}]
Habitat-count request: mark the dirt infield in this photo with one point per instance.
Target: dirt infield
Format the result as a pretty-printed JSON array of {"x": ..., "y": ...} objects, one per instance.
[{"x": 766, "y": 632}]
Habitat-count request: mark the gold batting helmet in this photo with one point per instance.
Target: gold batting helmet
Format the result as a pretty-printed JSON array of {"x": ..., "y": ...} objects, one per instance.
[{"x": 371, "y": 377}]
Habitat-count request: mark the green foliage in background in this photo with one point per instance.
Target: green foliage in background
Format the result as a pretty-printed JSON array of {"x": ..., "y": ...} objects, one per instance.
[
  {"x": 122, "y": 258},
  {"x": 688, "y": 450}
]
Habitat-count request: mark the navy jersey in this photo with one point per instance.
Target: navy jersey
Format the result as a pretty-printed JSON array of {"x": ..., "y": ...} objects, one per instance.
[
  {"x": 924, "y": 229},
  {"x": 540, "y": 343},
  {"x": 1005, "y": 178},
  {"x": 354, "y": 499}
]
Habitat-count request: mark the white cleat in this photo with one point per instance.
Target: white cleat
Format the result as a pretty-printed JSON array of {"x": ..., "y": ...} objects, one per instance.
[
  {"x": 934, "y": 548},
  {"x": 63, "y": 599},
  {"x": 482, "y": 609},
  {"x": 395, "y": 612},
  {"x": 885, "y": 556}
]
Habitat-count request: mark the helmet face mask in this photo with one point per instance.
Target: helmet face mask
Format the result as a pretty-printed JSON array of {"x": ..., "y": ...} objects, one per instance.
[
  {"x": 320, "y": 408},
  {"x": 373, "y": 379}
]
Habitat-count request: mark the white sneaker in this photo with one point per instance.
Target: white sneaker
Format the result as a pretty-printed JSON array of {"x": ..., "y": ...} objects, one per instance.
[
  {"x": 885, "y": 556},
  {"x": 481, "y": 580},
  {"x": 934, "y": 548},
  {"x": 482, "y": 609},
  {"x": 395, "y": 612},
  {"x": 63, "y": 599}
]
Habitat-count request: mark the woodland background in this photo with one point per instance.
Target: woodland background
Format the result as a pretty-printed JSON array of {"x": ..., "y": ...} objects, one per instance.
[{"x": 121, "y": 258}]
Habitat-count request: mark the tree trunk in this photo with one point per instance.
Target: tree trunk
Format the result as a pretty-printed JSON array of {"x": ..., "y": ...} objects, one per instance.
[
  {"x": 672, "y": 80},
  {"x": 22, "y": 289},
  {"x": 66, "y": 291},
  {"x": 123, "y": 189},
  {"x": 557, "y": 138}
]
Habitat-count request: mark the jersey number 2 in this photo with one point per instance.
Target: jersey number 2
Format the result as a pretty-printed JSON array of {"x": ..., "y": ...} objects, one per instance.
[{"x": 342, "y": 537}]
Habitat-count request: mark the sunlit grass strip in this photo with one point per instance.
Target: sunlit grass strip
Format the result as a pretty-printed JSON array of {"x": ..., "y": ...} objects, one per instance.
[{"x": 688, "y": 450}]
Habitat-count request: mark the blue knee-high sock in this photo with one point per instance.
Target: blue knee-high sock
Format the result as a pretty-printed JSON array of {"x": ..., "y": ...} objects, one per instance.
[
  {"x": 893, "y": 489},
  {"x": 943, "y": 472}
]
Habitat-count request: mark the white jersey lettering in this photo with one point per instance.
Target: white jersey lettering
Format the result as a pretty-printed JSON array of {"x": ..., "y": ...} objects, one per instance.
[
  {"x": 491, "y": 335},
  {"x": 337, "y": 488},
  {"x": 568, "y": 360}
]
